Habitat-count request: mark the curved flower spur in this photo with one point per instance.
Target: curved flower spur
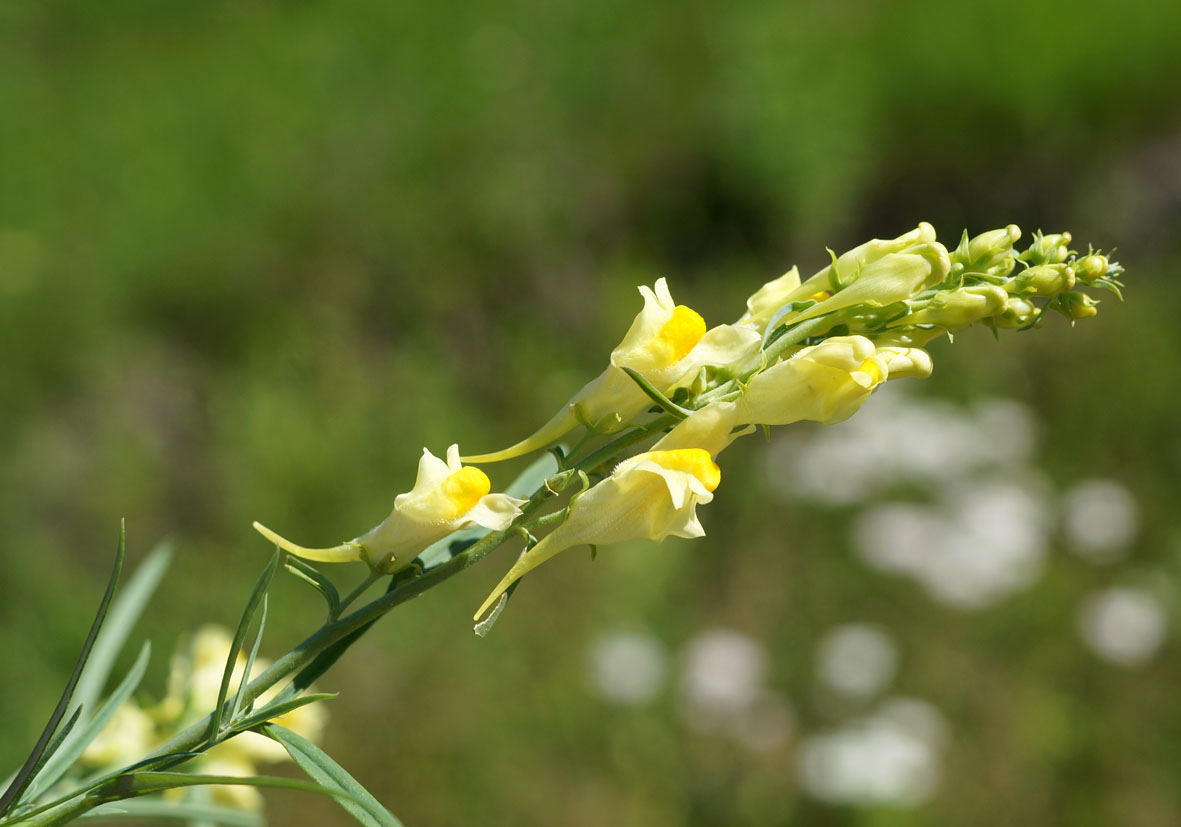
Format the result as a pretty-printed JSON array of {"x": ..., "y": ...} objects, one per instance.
[
  {"x": 667, "y": 344},
  {"x": 446, "y": 497}
]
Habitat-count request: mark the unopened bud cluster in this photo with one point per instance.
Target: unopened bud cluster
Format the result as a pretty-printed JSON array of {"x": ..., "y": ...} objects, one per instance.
[{"x": 812, "y": 349}]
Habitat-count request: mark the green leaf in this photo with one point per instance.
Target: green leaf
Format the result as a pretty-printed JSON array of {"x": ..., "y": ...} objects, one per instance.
[
  {"x": 252, "y": 605},
  {"x": 315, "y": 762},
  {"x": 40, "y": 754},
  {"x": 279, "y": 709},
  {"x": 125, "y": 613},
  {"x": 316, "y": 579},
  {"x": 74, "y": 746},
  {"x": 97, "y": 780},
  {"x": 144, "y": 783},
  {"x": 179, "y": 810},
  {"x": 772, "y": 332},
  {"x": 656, "y": 396},
  {"x": 262, "y": 623}
]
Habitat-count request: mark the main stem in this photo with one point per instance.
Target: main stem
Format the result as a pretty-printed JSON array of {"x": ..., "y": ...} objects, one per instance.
[{"x": 195, "y": 737}]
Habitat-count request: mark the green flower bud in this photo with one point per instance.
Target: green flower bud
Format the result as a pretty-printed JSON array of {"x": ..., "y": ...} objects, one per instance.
[
  {"x": 1048, "y": 249},
  {"x": 1075, "y": 305},
  {"x": 989, "y": 253},
  {"x": 1018, "y": 313},
  {"x": 1092, "y": 267},
  {"x": 909, "y": 336},
  {"x": 1043, "y": 280},
  {"x": 960, "y": 308}
]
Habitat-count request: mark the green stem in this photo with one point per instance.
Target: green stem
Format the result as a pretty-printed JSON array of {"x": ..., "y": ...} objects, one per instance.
[
  {"x": 371, "y": 578},
  {"x": 195, "y": 738},
  {"x": 62, "y": 814}
]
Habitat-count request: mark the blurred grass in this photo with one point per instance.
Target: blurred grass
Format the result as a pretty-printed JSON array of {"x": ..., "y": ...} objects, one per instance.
[{"x": 254, "y": 256}]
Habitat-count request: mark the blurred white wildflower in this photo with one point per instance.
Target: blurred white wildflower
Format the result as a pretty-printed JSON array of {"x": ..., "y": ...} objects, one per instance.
[
  {"x": 627, "y": 667},
  {"x": 723, "y": 675},
  {"x": 985, "y": 541},
  {"x": 899, "y": 439},
  {"x": 889, "y": 757},
  {"x": 1124, "y": 626},
  {"x": 856, "y": 660},
  {"x": 1099, "y": 519}
]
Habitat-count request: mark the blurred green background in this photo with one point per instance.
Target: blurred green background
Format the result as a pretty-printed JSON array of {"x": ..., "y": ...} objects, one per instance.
[{"x": 255, "y": 255}]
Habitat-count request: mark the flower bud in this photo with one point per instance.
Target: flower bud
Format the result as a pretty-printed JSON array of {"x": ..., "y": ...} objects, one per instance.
[
  {"x": 904, "y": 362},
  {"x": 1042, "y": 280},
  {"x": 1019, "y": 312},
  {"x": 1076, "y": 305},
  {"x": 1091, "y": 267},
  {"x": 959, "y": 308},
  {"x": 846, "y": 269},
  {"x": 1048, "y": 249},
  {"x": 989, "y": 253},
  {"x": 891, "y": 278}
]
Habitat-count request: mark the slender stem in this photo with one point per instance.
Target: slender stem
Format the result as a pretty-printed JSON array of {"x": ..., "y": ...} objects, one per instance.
[
  {"x": 372, "y": 577},
  {"x": 66, "y": 812},
  {"x": 195, "y": 738},
  {"x": 596, "y": 458}
]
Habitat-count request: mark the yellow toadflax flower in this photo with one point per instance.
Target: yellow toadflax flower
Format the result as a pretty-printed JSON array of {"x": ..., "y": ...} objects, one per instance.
[
  {"x": 129, "y": 735},
  {"x": 649, "y": 496},
  {"x": 883, "y": 283},
  {"x": 446, "y": 497},
  {"x": 667, "y": 343},
  {"x": 194, "y": 682},
  {"x": 826, "y": 382}
]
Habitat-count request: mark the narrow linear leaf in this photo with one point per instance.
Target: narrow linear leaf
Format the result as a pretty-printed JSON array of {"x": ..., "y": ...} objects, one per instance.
[
  {"x": 96, "y": 781},
  {"x": 278, "y": 710},
  {"x": 25, "y": 774},
  {"x": 178, "y": 810},
  {"x": 145, "y": 783},
  {"x": 656, "y": 396},
  {"x": 121, "y": 620},
  {"x": 55, "y": 745},
  {"x": 252, "y": 605},
  {"x": 262, "y": 623},
  {"x": 781, "y": 314},
  {"x": 359, "y": 803},
  {"x": 316, "y": 579},
  {"x": 61, "y": 762}
]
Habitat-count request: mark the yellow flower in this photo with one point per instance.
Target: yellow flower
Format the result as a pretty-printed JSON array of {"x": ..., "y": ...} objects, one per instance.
[
  {"x": 959, "y": 308},
  {"x": 446, "y": 497},
  {"x": 827, "y": 382},
  {"x": 128, "y": 736},
  {"x": 194, "y": 681},
  {"x": 649, "y": 496},
  {"x": 667, "y": 344},
  {"x": 849, "y": 269}
]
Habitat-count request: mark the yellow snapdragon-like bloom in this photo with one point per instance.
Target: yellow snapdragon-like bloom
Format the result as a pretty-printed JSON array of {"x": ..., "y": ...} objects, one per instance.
[
  {"x": 667, "y": 344},
  {"x": 129, "y": 735},
  {"x": 881, "y": 284},
  {"x": 194, "y": 681},
  {"x": 649, "y": 496},
  {"x": 446, "y": 497},
  {"x": 827, "y": 382}
]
